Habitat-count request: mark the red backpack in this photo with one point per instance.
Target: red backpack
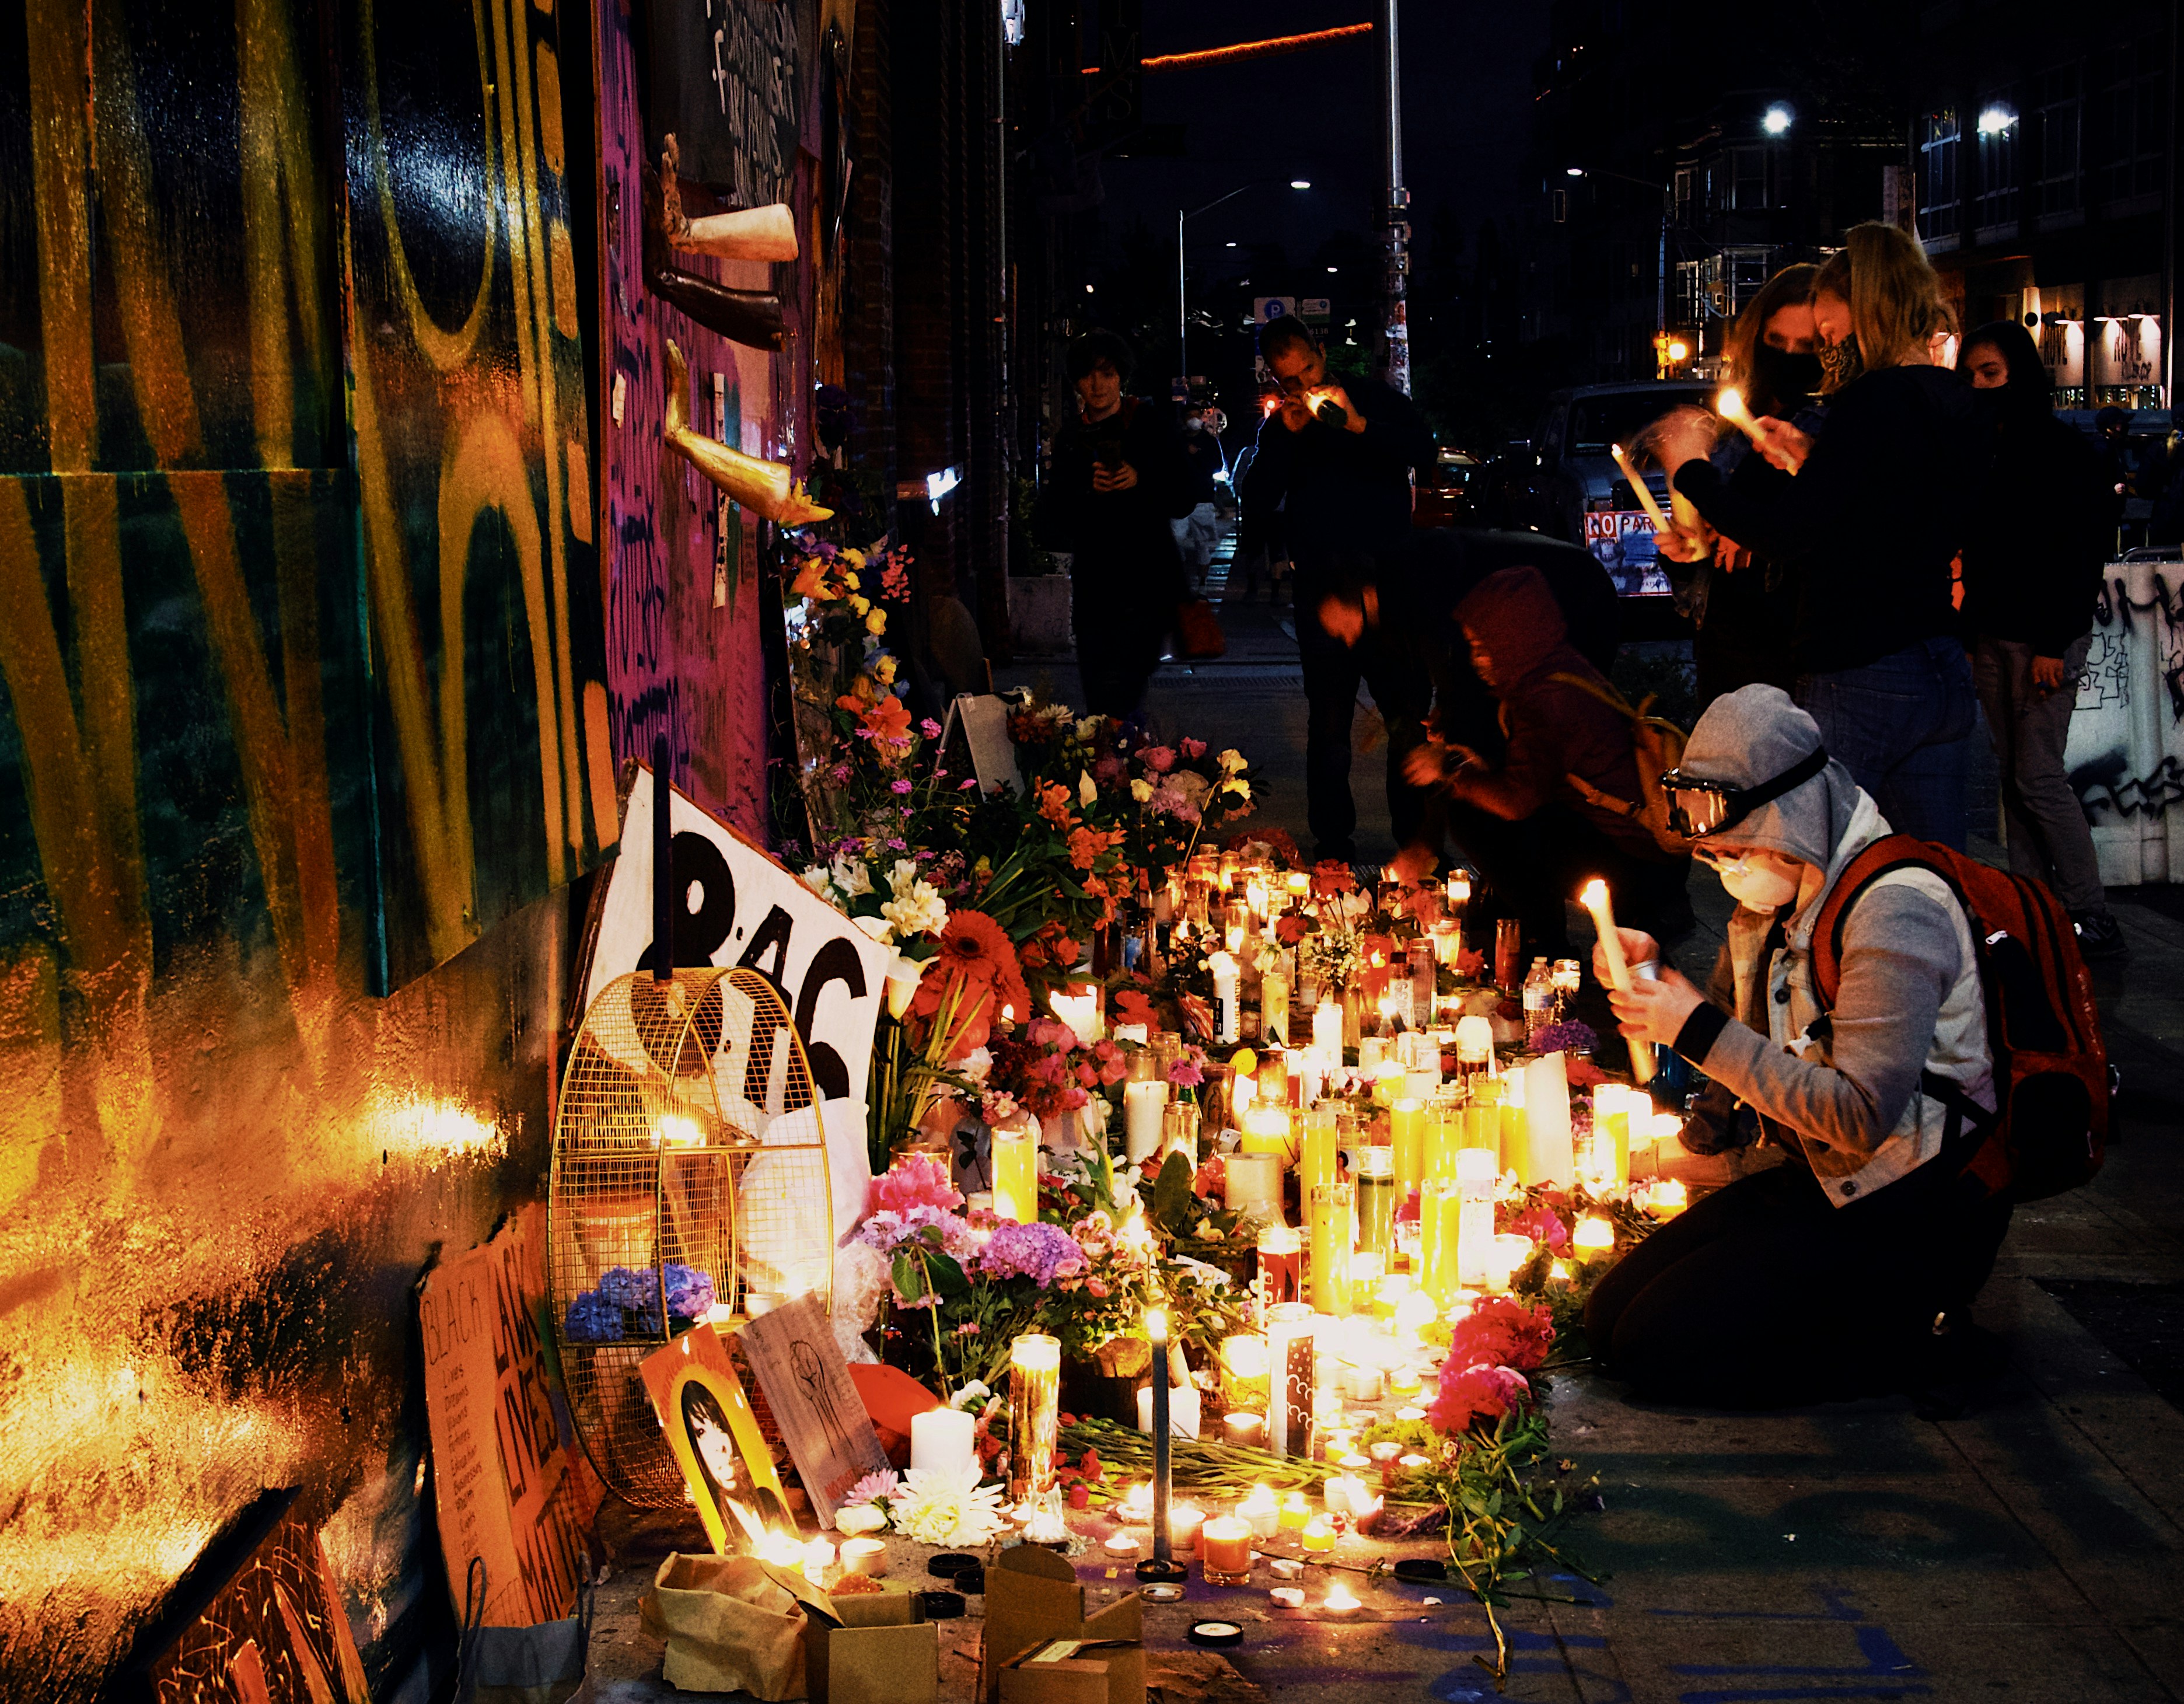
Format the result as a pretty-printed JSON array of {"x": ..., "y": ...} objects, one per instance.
[{"x": 2049, "y": 1131}]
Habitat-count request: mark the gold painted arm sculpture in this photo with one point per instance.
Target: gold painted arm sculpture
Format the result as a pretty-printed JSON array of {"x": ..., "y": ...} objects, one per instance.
[{"x": 764, "y": 488}]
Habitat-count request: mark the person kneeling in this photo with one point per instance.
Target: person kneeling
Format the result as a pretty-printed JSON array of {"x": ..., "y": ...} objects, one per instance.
[{"x": 1843, "y": 1270}]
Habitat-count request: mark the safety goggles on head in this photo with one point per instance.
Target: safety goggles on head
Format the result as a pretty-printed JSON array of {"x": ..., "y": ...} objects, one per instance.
[{"x": 1698, "y": 807}]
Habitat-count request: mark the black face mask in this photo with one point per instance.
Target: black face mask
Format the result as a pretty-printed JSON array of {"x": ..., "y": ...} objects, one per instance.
[{"x": 1782, "y": 381}]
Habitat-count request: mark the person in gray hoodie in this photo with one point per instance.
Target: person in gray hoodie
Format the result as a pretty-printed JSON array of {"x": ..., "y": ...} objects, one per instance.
[{"x": 1832, "y": 1274}]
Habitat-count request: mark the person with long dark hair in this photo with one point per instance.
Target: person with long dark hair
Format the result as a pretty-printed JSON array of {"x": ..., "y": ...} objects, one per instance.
[
  {"x": 1871, "y": 524},
  {"x": 1117, "y": 478},
  {"x": 2039, "y": 538}
]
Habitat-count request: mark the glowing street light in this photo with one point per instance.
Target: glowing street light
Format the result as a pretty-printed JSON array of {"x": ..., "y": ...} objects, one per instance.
[
  {"x": 1996, "y": 121},
  {"x": 1299, "y": 183},
  {"x": 1777, "y": 121}
]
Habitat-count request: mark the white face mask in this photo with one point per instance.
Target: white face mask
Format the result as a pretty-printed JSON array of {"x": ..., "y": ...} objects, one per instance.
[{"x": 1757, "y": 886}]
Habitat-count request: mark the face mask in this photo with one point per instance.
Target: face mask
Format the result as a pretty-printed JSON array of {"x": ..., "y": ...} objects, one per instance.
[
  {"x": 1758, "y": 886},
  {"x": 1840, "y": 363},
  {"x": 1783, "y": 380}
]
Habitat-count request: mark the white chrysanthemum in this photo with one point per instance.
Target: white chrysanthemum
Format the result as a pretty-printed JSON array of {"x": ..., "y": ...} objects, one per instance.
[
  {"x": 947, "y": 1505},
  {"x": 920, "y": 911},
  {"x": 971, "y": 1395}
]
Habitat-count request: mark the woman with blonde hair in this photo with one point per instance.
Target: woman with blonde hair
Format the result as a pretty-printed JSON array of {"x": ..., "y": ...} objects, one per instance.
[{"x": 1877, "y": 508}]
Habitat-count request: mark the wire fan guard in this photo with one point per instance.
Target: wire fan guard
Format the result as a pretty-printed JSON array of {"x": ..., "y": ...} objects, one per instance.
[{"x": 687, "y": 1134}]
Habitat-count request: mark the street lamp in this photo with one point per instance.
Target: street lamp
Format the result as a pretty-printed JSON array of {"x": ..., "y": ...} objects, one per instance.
[
  {"x": 1182, "y": 314},
  {"x": 1778, "y": 119}
]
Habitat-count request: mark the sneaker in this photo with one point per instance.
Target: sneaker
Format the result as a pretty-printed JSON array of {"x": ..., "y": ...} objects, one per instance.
[{"x": 2098, "y": 936}]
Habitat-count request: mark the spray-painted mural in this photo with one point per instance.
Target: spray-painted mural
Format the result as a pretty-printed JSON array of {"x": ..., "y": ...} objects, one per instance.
[{"x": 304, "y": 731}]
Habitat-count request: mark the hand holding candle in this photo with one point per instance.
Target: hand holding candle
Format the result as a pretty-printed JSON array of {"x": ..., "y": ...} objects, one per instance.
[
  {"x": 1639, "y": 489},
  {"x": 1594, "y": 898}
]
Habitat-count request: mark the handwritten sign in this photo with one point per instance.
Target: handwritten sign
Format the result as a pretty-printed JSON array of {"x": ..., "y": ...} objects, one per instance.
[
  {"x": 739, "y": 907},
  {"x": 501, "y": 1477},
  {"x": 724, "y": 80}
]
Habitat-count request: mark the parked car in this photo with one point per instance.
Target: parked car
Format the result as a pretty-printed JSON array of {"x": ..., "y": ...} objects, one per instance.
[
  {"x": 1443, "y": 495},
  {"x": 1575, "y": 491}
]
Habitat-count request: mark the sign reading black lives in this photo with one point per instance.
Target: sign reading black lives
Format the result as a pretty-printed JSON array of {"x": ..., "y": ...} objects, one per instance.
[{"x": 724, "y": 82}]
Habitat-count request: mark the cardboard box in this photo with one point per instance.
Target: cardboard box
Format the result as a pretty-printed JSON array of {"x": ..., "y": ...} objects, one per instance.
[
  {"x": 867, "y": 1648},
  {"x": 1032, "y": 1596},
  {"x": 1073, "y": 1671}
]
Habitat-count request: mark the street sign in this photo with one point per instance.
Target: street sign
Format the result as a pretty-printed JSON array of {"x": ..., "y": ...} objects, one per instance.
[
  {"x": 1316, "y": 307},
  {"x": 1266, "y": 308}
]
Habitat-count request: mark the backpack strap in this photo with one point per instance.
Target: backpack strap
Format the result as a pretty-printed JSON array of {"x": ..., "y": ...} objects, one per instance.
[{"x": 1889, "y": 854}]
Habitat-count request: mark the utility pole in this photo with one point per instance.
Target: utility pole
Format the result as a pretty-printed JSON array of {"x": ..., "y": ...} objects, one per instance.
[{"x": 1396, "y": 349}]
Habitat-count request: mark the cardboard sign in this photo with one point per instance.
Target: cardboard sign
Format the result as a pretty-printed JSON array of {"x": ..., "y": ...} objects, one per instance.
[
  {"x": 984, "y": 719},
  {"x": 258, "y": 1615},
  {"x": 501, "y": 1475},
  {"x": 740, "y": 907},
  {"x": 715, "y": 1439},
  {"x": 821, "y": 1417}
]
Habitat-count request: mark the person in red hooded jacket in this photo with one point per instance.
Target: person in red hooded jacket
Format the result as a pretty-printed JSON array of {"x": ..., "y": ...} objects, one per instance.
[{"x": 1533, "y": 836}]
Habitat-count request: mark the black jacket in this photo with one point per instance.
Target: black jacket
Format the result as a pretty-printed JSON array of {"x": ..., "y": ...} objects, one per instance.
[
  {"x": 2040, "y": 534},
  {"x": 1871, "y": 523},
  {"x": 1342, "y": 491},
  {"x": 1126, "y": 576}
]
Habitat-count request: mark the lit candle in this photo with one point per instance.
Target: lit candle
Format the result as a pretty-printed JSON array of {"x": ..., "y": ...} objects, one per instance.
[
  {"x": 1593, "y": 898},
  {"x": 1184, "y": 1522},
  {"x": 944, "y": 1438},
  {"x": 1143, "y": 1106},
  {"x": 818, "y": 1557},
  {"x": 1639, "y": 489},
  {"x": 1078, "y": 1007},
  {"x": 1227, "y": 1022},
  {"x": 1612, "y": 1115},
  {"x": 1241, "y": 1430},
  {"x": 1326, "y": 1031},
  {"x": 1119, "y": 1544},
  {"x": 1290, "y": 1327},
  {"x": 1322, "y": 1130},
  {"x": 1252, "y": 1182},
  {"x": 1015, "y": 1169},
  {"x": 1295, "y": 1513},
  {"x": 1474, "y": 1043},
  {"x": 1224, "y": 1550},
  {"x": 1280, "y": 1267},
  {"x": 1730, "y": 406},
  {"x": 1340, "y": 1600},
  {"x": 1034, "y": 1390},
  {"x": 1274, "y": 1008},
  {"x": 1362, "y": 1383},
  {"x": 1404, "y": 1381},
  {"x": 1593, "y": 1237},
  {"x": 1511, "y": 1250},
  {"x": 1475, "y": 1180},
  {"x": 1670, "y": 1198},
  {"x": 1317, "y": 1535},
  {"x": 865, "y": 1556},
  {"x": 1244, "y": 1367},
  {"x": 783, "y": 1549},
  {"x": 1262, "y": 1512},
  {"x": 1333, "y": 1237},
  {"x": 1547, "y": 1122}
]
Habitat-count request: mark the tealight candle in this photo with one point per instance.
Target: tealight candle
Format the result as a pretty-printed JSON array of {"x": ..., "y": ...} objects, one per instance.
[
  {"x": 865, "y": 1556},
  {"x": 1510, "y": 1250},
  {"x": 1412, "y": 1463},
  {"x": 1362, "y": 1384},
  {"x": 818, "y": 1557},
  {"x": 1287, "y": 1596},
  {"x": 1183, "y": 1522},
  {"x": 1671, "y": 1197},
  {"x": 1340, "y": 1600},
  {"x": 1262, "y": 1512},
  {"x": 1593, "y": 1236},
  {"x": 1317, "y": 1535},
  {"x": 1121, "y": 1545},
  {"x": 1386, "y": 1451},
  {"x": 1411, "y": 1412}
]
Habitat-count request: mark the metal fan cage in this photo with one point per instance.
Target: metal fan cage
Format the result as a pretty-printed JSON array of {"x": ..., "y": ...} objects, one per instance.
[{"x": 687, "y": 1134}]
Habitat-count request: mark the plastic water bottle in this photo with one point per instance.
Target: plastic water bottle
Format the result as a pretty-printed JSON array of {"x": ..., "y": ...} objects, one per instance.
[{"x": 1539, "y": 999}]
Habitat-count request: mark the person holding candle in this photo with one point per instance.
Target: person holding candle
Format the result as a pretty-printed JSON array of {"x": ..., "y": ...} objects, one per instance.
[
  {"x": 1828, "y": 1273},
  {"x": 1568, "y": 766},
  {"x": 1879, "y": 507}
]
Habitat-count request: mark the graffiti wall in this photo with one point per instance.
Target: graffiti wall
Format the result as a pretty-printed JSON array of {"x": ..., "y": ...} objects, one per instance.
[{"x": 306, "y": 732}]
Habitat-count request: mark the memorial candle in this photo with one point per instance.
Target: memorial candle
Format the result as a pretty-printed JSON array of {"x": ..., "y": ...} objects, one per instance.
[
  {"x": 1274, "y": 1008},
  {"x": 1252, "y": 1183},
  {"x": 1227, "y": 1022},
  {"x": 1015, "y": 1168},
  {"x": 1406, "y": 1124},
  {"x": 1593, "y": 898},
  {"x": 1333, "y": 1237},
  {"x": 1475, "y": 1180},
  {"x": 1143, "y": 1104},
  {"x": 1034, "y": 1389},
  {"x": 1322, "y": 1130},
  {"x": 1290, "y": 1337},
  {"x": 1326, "y": 1031},
  {"x": 1162, "y": 1566}
]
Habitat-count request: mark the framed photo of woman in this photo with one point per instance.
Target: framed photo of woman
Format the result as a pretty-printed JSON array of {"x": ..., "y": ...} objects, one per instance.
[{"x": 715, "y": 1440}]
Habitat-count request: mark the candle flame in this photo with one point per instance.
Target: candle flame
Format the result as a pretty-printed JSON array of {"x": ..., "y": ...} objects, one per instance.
[
  {"x": 1157, "y": 1324},
  {"x": 1730, "y": 405},
  {"x": 1594, "y": 894}
]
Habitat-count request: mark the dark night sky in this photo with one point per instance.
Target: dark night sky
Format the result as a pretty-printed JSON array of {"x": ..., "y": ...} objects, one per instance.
[{"x": 1466, "y": 115}]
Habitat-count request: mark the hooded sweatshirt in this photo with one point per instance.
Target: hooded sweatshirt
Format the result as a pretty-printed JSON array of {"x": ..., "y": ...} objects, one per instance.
[
  {"x": 1555, "y": 728},
  {"x": 1841, "y": 1089}
]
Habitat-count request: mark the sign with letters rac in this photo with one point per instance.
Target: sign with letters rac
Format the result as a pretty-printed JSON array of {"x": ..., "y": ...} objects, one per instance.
[
  {"x": 739, "y": 907},
  {"x": 502, "y": 1480}
]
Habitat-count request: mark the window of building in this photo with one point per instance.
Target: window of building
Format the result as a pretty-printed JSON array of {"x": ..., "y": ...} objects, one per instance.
[
  {"x": 1748, "y": 193},
  {"x": 1998, "y": 128},
  {"x": 1938, "y": 176},
  {"x": 1684, "y": 188},
  {"x": 2125, "y": 122},
  {"x": 2055, "y": 115}
]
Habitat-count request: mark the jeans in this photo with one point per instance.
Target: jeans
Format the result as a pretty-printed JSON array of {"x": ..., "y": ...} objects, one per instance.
[
  {"x": 2049, "y": 839},
  {"x": 1899, "y": 727},
  {"x": 1402, "y": 692}
]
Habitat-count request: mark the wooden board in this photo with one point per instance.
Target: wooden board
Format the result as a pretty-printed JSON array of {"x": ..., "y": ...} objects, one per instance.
[{"x": 823, "y": 1419}]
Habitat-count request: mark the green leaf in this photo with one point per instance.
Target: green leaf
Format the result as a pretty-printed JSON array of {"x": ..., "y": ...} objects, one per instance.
[
  {"x": 909, "y": 1281},
  {"x": 1172, "y": 1196},
  {"x": 948, "y": 1278}
]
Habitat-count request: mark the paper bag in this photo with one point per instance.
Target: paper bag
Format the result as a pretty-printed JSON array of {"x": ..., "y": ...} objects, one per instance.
[
  {"x": 1032, "y": 1596},
  {"x": 729, "y": 1625}
]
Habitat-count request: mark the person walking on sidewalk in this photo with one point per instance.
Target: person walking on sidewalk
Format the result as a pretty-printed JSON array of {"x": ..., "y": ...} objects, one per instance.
[
  {"x": 1846, "y": 1270},
  {"x": 1336, "y": 459},
  {"x": 1196, "y": 532},
  {"x": 2039, "y": 538},
  {"x": 1117, "y": 479}
]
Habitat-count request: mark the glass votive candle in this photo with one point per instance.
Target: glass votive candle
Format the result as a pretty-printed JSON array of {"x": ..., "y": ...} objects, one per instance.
[
  {"x": 1404, "y": 1381},
  {"x": 818, "y": 1557},
  {"x": 1362, "y": 1384},
  {"x": 1244, "y": 1431},
  {"x": 865, "y": 1556},
  {"x": 1594, "y": 1237},
  {"x": 1183, "y": 1522},
  {"x": 1224, "y": 1550},
  {"x": 1294, "y": 1513},
  {"x": 1318, "y": 1536},
  {"x": 1386, "y": 1451},
  {"x": 1262, "y": 1512}
]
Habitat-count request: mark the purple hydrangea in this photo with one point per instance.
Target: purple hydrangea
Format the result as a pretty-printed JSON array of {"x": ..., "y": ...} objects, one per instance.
[
  {"x": 889, "y": 1230},
  {"x": 593, "y": 1319},
  {"x": 629, "y": 1288},
  {"x": 689, "y": 1292},
  {"x": 1040, "y": 1252},
  {"x": 1569, "y": 1036}
]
